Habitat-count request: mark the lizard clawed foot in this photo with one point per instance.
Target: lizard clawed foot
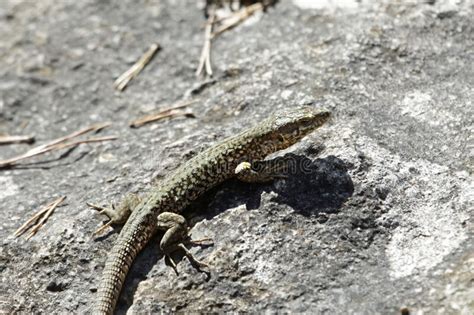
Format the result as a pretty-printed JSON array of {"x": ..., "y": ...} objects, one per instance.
[
  {"x": 117, "y": 215},
  {"x": 176, "y": 235},
  {"x": 109, "y": 212},
  {"x": 193, "y": 259}
]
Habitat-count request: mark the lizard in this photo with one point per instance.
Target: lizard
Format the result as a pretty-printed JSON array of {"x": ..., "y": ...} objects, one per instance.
[{"x": 160, "y": 209}]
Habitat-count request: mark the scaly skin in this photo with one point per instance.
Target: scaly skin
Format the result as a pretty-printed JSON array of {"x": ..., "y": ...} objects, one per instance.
[{"x": 192, "y": 179}]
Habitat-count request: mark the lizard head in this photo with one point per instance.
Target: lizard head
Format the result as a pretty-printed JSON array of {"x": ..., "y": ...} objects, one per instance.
[{"x": 293, "y": 124}]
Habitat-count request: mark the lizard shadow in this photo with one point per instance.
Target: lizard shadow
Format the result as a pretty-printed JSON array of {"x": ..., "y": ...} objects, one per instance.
[{"x": 312, "y": 188}]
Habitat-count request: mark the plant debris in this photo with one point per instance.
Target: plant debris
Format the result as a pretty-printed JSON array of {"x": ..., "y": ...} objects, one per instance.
[
  {"x": 39, "y": 219},
  {"x": 60, "y": 143},
  {"x": 16, "y": 139},
  {"x": 218, "y": 23},
  {"x": 172, "y": 111},
  {"x": 205, "y": 60},
  {"x": 123, "y": 80}
]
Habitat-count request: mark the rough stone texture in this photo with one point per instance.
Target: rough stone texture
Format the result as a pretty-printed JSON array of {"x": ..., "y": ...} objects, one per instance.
[{"x": 382, "y": 221}]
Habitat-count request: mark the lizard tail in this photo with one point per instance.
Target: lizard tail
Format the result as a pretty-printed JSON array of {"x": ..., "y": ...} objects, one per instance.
[{"x": 116, "y": 268}]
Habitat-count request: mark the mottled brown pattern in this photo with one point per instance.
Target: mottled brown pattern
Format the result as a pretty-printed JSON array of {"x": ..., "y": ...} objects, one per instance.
[{"x": 192, "y": 179}]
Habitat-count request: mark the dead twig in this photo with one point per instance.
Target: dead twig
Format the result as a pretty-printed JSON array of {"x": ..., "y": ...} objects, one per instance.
[
  {"x": 16, "y": 139},
  {"x": 39, "y": 219},
  {"x": 205, "y": 60},
  {"x": 237, "y": 18},
  {"x": 122, "y": 81},
  {"x": 59, "y": 143},
  {"x": 225, "y": 23},
  {"x": 173, "y": 111},
  {"x": 90, "y": 140}
]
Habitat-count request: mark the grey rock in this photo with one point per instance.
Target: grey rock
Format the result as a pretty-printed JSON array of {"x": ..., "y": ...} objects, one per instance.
[{"x": 380, "y": 221}]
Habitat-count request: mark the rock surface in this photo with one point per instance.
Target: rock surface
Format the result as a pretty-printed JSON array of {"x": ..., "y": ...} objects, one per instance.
[{"x": 383, "y": 220}]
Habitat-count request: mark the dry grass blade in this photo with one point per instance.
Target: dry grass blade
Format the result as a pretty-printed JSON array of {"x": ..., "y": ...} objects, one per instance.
[
  {"x": 225, "y": 24},
  {"x": 90, "y": 140},
  {"x": 32, "y": 220},
  {"x": 78, "y": 133},
  {"x": 172, "y": 111},
  {"x": 237, "y": 18},
  {"x": 122, "y": 81},
  {"x": 16, "y": 139},
  {"x": 45, "y": 217},
  {"x": 155, "y": 117},
  {"x": 57, "y": 144},
  {"x": 205, "y": 59},
  {"x": 39, "y": 219}
]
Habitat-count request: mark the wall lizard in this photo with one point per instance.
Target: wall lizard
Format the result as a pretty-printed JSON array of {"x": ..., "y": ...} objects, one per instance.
[{"x": 161, "y": 207}]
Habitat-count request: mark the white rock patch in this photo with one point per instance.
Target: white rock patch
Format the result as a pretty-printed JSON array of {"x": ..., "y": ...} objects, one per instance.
[
  {"x": 422, "y": 107},
  {"x": 9, "y": 188},
  {"x": 429, "y": 201},
  {"x": 325, "y": 4}
]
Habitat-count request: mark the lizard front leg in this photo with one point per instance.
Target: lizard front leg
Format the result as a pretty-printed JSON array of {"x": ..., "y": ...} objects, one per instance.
[
  {"x": 119, "y": 214},
  {"x": 263, "y": 171},
  {"x": 176, "y": 235}
]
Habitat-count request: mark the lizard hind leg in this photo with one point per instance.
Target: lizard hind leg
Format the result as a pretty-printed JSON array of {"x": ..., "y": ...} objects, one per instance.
[
  {"x": 176, "y": 235},
  {"x": 119, "y": 214}
]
